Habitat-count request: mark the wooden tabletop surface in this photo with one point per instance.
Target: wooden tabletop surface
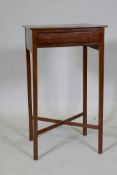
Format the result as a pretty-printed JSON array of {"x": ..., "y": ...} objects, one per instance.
[{"x": 63, "y": 26}]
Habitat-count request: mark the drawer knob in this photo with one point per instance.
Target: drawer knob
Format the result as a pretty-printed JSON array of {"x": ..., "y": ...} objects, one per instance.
[{"x": 49, "y": 40}]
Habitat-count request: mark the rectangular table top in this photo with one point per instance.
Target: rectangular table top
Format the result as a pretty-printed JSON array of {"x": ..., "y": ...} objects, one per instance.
[{"x": 63, "y": 26}]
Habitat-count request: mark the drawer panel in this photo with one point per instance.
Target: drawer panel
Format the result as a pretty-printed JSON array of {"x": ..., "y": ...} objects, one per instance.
[{"x": 67, "y": 38}]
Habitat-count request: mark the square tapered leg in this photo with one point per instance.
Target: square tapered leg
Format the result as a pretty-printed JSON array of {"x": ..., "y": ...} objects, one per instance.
[
  {"x": 35, "y": 101},
  {"x": 101, "y": 93},
  {"x": 29, "y": 90},
  {"x": 84, "y": 89}
]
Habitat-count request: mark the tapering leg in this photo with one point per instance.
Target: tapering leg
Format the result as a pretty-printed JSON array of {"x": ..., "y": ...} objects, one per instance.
[
  {"x": 101, "y": 89},
  {"x": 29, "y": 94},
  {"x": 84, "y": 89},
  {"x": 35, "y": 102}
]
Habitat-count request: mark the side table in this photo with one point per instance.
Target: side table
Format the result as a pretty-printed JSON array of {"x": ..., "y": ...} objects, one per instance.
[{"x": 85, "y": 35}]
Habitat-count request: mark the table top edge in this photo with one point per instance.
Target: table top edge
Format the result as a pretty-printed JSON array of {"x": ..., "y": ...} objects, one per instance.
[{"x": 63, "y": 26}]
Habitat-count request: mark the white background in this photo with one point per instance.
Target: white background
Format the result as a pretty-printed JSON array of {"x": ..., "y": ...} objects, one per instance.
[{"x": 60, "y": 87}]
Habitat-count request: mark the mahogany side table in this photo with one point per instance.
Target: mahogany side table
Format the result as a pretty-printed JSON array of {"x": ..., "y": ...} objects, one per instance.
[{"x": 85, "y": 35}]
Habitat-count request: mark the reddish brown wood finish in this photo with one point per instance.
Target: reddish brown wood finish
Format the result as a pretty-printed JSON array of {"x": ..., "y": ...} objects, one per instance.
[
  {"x": 61, "y": 122},
  {"x": 65, "y": 122},
  {"x": 35, "y": 95},
  {"x": 74, "y": 38},
  {"x": 62, "y": 36},
  {"x": 101, "y": 93},
  {"x": 29, "y": 94},
  {"x": 84, "y": 89}
]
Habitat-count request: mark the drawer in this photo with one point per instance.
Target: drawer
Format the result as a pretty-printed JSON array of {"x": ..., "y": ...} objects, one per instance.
[{"x": 74, "y": 38}]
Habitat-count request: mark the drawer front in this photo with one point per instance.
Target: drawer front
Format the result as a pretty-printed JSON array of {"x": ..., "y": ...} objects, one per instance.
[{"x": 67, "y": 38}]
